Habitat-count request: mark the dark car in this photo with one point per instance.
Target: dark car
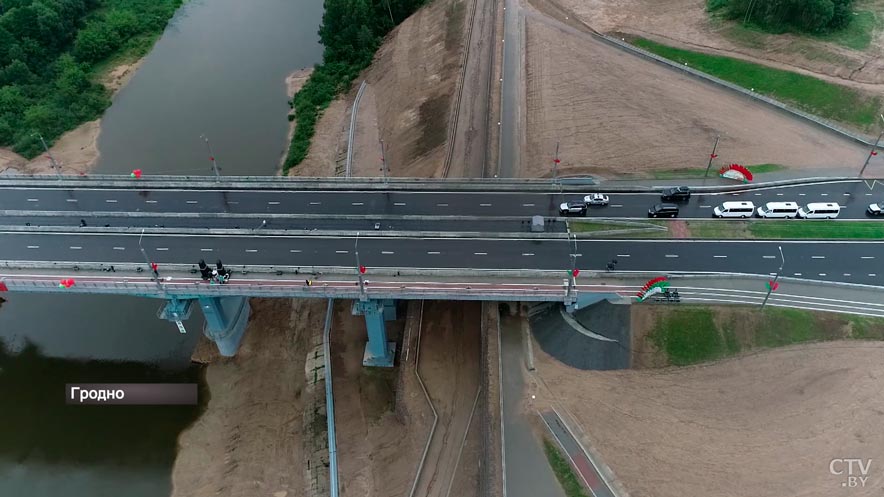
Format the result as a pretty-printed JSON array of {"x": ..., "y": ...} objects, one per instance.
[
  {"x": 663, "y": 210},
  {"x": 676, "y": 193},
  {"x": 572, "y": 208}
]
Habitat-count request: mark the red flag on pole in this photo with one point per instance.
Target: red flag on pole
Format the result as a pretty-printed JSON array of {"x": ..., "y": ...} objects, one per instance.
[
  {"x": 153, "y": 265},
  {"x": 362, "y": 269},
  {"x": 874, "y": 152},
  {"x": 556, "y": 161},
  {"x": 714, "y": 156},
  {"x": 575, "y": 272},
  {"x": 136, "y": 173},
  {"x": 3, "y": 287}
]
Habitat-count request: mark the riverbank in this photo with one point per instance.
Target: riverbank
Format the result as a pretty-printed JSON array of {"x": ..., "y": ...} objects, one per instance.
[
  {"x": 77, "y": 150},
  {"x": 293, "y": 84}
]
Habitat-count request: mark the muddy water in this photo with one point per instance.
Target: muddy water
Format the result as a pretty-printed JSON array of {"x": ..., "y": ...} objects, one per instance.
[{"x": 218, "y": 70}]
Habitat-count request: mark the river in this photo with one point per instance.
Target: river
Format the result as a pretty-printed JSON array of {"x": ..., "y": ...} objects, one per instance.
[{"x": 218, "y": 70}]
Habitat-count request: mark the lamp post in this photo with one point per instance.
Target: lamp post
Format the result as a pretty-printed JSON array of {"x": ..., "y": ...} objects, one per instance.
[
  {"x": 212, "y": 158},
  {"x": 874, "y": 150},
  {"x": 383, "y": 161},
  {"x": 770, "y": 286},
  {"x": 572, "y": 280},
  {"x": 147, "y": 260},
  {"x": 712, "y": 155},
  {"x": 359, "y": 269},
  {"x": 55, "y": 165}
]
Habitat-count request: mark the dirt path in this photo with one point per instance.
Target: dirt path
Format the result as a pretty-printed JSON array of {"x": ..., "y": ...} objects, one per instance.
[
  {"x": 449, "y": 366},
  {"x": 366, "y": 142},
  {"x": 766, "y": 424},
  {"x": 614, "y": 113}
]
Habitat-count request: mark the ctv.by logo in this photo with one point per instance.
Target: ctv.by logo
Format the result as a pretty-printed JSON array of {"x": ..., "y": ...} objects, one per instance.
[{"x": 855, "y": 471}]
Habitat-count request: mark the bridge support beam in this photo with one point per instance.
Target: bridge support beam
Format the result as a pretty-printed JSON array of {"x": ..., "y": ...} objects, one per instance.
[
  {"x": 378, "y": 351},
  {"x": 177, "y": 311},
  {"x": 582, "y": 300},
  {"x": 226, "y": 320}
]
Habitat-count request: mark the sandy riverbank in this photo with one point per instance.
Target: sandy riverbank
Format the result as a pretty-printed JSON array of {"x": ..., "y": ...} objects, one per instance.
[
  {"x": 77, "y": 150},
  {"x": 293, "y": 84}
]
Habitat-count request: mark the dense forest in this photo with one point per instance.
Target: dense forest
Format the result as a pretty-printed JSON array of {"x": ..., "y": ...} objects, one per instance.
[
  {"x": 814, "y": 16},
  {"x": 49, "y": 53},
  {"x": 351, "y": 32}
]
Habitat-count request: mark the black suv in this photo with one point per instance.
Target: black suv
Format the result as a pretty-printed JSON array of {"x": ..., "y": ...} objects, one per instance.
[
  {"x": 663, "y": 210},
  {"x": 676, "y": 193}
]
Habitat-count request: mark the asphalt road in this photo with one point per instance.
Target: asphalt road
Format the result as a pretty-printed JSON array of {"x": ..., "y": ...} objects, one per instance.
[
  {"x": 855, "y": 262},
  {"x": 853, "y": 196},
  {"x": 510, "y": 92}
]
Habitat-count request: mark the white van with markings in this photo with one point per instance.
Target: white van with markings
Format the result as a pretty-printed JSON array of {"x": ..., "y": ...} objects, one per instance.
[
  {"x": 778, "y": 209},
  {"x": 820, "y": 210},
  {"x": 734, "y": 209}
]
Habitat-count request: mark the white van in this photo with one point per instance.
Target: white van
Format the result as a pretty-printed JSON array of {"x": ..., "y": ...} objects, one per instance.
[
  {"x": 778, "y": 209},
  {"x": 734, "y": 209},
  {"x": 820, "y": 210}
]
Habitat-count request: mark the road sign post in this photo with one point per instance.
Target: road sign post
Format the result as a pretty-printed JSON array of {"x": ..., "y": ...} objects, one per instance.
[{"x": 773, "y": 285}]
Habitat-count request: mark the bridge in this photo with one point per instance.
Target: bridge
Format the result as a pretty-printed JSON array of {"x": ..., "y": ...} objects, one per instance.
[{"x": 377, "y": 241}]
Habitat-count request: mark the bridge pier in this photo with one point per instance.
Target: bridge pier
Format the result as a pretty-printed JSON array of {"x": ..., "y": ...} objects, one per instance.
[
  {"x": 226, "y": 320},
  {"x": 378, "y": 351}
]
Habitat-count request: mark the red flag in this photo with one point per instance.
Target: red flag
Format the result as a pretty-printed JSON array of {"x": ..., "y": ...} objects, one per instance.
[
  {"x": 362, "y": 269},
  {"x": 556, "y": 161},
  {"x": 575, "y": 272},
  {"x": 874, "y": 152},
  {"x": 3, "y": 287},
  {"x": 153, "y": 265},
  {"x": 714, "y": 156},
  {"x": 212, "y": 159},
  {"x": 136, "y": 173}
]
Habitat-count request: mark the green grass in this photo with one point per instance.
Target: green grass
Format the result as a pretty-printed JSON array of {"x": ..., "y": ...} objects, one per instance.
[
  {"x": 817, "y": 229},
  {"x": 689, "y": 334},
  {"x": 718, "y": 229},
  {"x": 827, "y": 100},
  {"x": 859, "y": 33},
  {"x": 765, "y": 168},
  {"x": 564, "y": 473}
]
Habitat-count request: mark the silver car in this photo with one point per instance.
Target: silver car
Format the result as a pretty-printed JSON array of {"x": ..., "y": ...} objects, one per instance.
[{"x": 596, "y": 199}]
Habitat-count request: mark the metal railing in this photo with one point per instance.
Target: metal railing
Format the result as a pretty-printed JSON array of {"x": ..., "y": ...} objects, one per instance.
[
  {"x": 352, "y": 132},
  {"x": 330, "y": 404}
]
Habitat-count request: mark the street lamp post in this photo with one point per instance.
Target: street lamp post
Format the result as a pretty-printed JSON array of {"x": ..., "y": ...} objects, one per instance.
[
  {"x": 55, "y": 165},
  {"x": 359, "y": 269},
  {"x": 212, "y": 158},
  {"x": 771, "y": 285},
  {"x": 572, "y": 280},
  {"x": 712, "y": 155},
  {"x": 147, "y": 260},
  {"x": 874, "y": 150},
  {"x": 383, "y": 161}
]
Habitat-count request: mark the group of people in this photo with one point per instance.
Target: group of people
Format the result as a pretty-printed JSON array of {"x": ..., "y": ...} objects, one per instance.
[{"x": 218, "y": 275}]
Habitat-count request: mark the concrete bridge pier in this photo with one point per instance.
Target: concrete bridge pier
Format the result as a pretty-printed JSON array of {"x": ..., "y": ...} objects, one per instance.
[
  {"x": 378, "y": 351},
  {"x": 226, "y": 320}
]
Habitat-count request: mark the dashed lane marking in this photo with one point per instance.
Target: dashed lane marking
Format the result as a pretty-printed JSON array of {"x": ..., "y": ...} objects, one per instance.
[
  {"x": 71, "y": 200},
  {"x": 150, "y": 201},
  {"x": 251, "y": 251},
  {"x": 622, "y": 255},
  {"x": 110, "y": 201},
  {"x": 817, "y": 257},
  {"x": 872, "y": 274},
  {"x": 33, "y": 200},
  {"x": 294, "y": 251},
  {"x": 769, "y": 256},
  {"x": 797, "y": 274},
  {"x": 528, "y": 254},
  {"x": 527, "y": 205},
  {"x": 822, "y": 274},
  {"x": 163, "y": 249},
  {"x": 205, "y": 250},
  {"x": 191, "y": 201},
  {"x": 400, "y": 204},
  {"x": 441, "y": 205},
  {"x": 720, "y": 256},
  {"x": 272, "y": 203},
  {"x": 358, "y": 203},
  {"x": 616, "y": 205},
  {"x": 705, "y": 206},
  {"x": 33, "y": 246},
  {"x": 76, "y": 248},
  {"x": 433, "y": 253},
  {"x": 480, "y": 253},
  {"x": 867, "y": 257},
  {"x": 671, "y": 256},
  {"x": 386, "y": 252},
  {"x": 484, "y": 205},
  {"x": 119, "y": 248},
  {"x": 315, "y": 203},
  {"x": 340, "y": 251}
]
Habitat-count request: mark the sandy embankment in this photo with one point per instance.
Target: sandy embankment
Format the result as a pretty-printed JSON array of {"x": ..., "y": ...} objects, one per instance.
[
  {"x": 77, "y": 150},
  {"x": 293, "y": 84}
]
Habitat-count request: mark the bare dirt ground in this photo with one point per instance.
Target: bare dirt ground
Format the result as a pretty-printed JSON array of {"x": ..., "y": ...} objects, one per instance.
[
  {"x": 377, "y": 447},
  {"x": 366, "y": 141},
  {"x": 249, "y": 440},
  {"x": 766, "y": 424},
  {"x": 449, "y": 366},
  {"x": 685, "y": 23},
  {"x": 615, "y": 113}
]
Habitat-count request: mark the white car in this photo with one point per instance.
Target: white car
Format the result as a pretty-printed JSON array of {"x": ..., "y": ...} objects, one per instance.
[{"x": 596, "y": 199}]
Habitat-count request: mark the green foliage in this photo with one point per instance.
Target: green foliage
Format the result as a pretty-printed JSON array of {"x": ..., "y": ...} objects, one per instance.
[
  {"x": 563, "y": 471},
  {"x": 827, "y": 100},
  {"x": 814, "y": 16},
  {"x": 858, "y": 33},
  {"x": 689, "y": 336},
  {"x": 49, "y": 50},
  {"x": 351, "y": 32}
]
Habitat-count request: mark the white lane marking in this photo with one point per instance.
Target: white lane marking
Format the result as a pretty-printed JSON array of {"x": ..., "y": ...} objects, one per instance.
[
  {"x": 527, "y": 205},
  {"x": 294, "y": 251},
  {"x": 163, "y": 249},
  {"x": 480, "y": 253},
  {"x": 76, "y": 248},
  {"x": 616, "y": 205},
  {"x": 205, "y": 250},
  {"x": 33, "y": 246},
  {"x": 190, "y": 201},
  {"x": 817, "y": 257},
  {"x": 868, "y": 194},
  {"x": 33, "y": 200},
  {"x": 757, "y": 194},
  {"x": 769, "y": 256},
  {"x": 484, "y": 205},
  {"x": 578, "y": 255},
  {"x": 441, "y": 205},
  {"x": 802, "y": 194},
  {"x": 433, "y": 253},
  {"x": 720, "y": 256},
  {"x": 233, "y": 203},
  {"x": 846, "y": 274},
  {"x": 527, "y": 254},
  {"x": 150, "y": 201},
  {"x": 251, "y": 251},
  {"x": 797, "y": 274},
  {"x": 867, "y": 257},
  {"x": 622, "y": 255},
  {"x": 340, "y": 251},
  {"x": 358, "y": 203},
  {"x": 822, "y": 274},
  {"x": 671, "y": 256},
  {"x": 72, "y": 200},
  {"x": 119, "y": 248},
  {"x": 779, "y": 194},
  {"x": 705, "y": 206},
  {"x": 872, "y": 274},
  {"x": 400, "y": 204},
  {"x": 272, "y": 203},
  {"x": 315, "y": 203},
  {"x": 824, "y": 194},
  {"x": 846, "y": 194},
  {"x": 386, "y": 252},
  {"x": 110, "y": 201}
]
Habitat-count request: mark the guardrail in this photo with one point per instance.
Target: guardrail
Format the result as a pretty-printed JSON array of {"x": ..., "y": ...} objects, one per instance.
[{"x": 353, "y": 129}]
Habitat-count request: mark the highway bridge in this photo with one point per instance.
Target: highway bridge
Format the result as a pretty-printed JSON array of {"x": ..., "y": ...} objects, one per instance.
[{"x": 464, "y": 239}]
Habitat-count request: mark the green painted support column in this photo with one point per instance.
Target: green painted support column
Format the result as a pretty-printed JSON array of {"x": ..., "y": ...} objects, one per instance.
[{"x": 378, "y": 351}]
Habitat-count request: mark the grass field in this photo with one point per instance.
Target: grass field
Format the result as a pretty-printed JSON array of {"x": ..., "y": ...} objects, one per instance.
[
  {"x": 787, "y": 229},
  {"x": 694, "y": 334},
  {"x": 562, "y": 469},
  {"x": 827, "y": 100},
  {"x": 859, "y": 33}
]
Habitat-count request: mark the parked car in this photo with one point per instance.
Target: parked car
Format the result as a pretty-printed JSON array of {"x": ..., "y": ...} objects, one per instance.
[
  {"x": 734, "y": 209},
  {"x": 876, "y": 209},
  {"x": 596, "y": 199},
  {"x": 572, "y": 208},
  {"x": 676, "y": 194},
  {"x": 786, "y": 210},
  {"x": 663, "y": 210},
  {"x": 820, "y": 210}
]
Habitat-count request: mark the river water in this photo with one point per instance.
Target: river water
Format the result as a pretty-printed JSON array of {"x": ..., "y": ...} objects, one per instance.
[{"x": 218, "y": 70}]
